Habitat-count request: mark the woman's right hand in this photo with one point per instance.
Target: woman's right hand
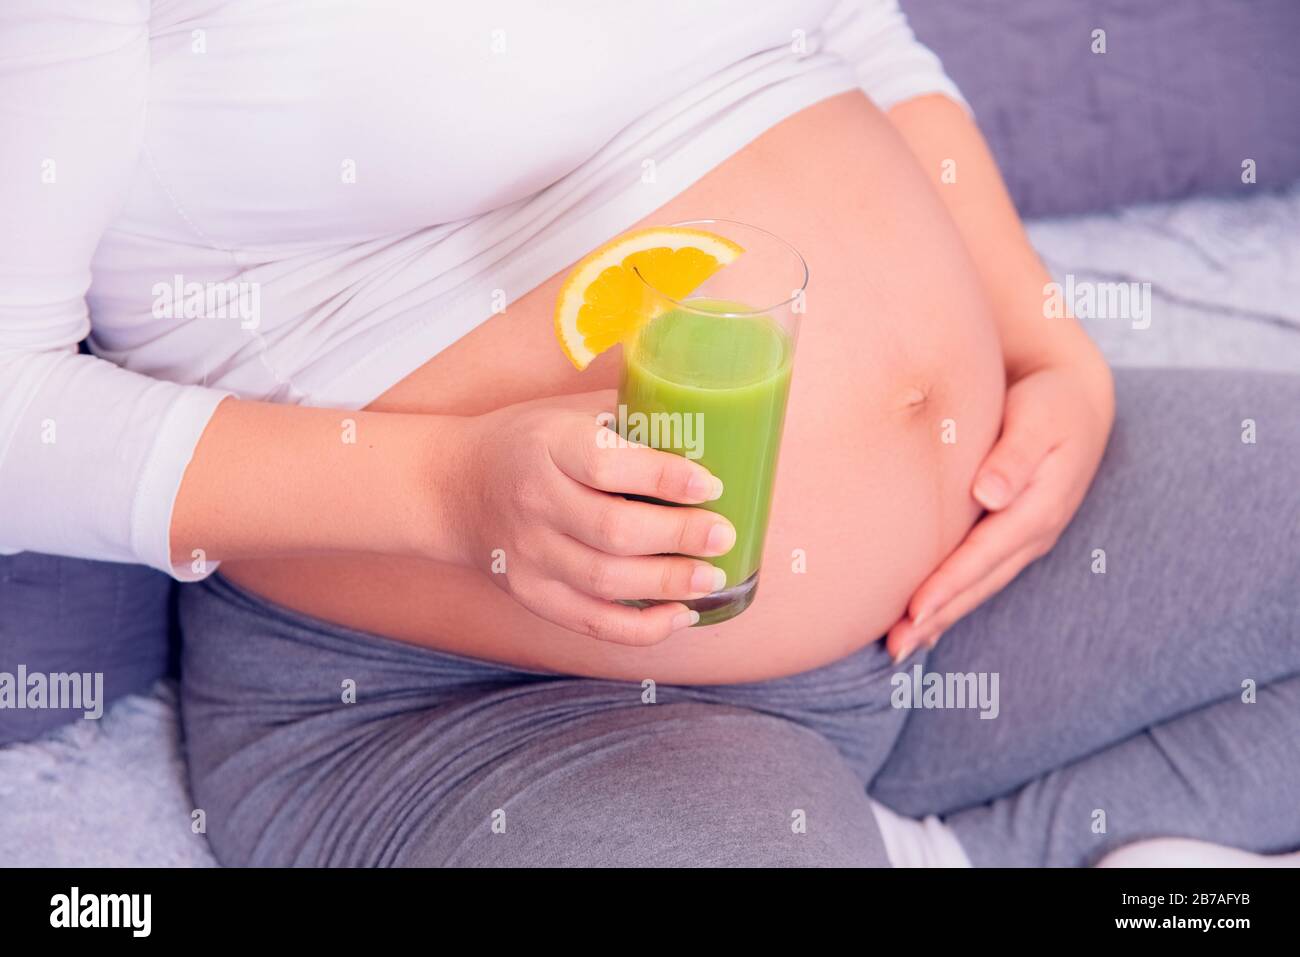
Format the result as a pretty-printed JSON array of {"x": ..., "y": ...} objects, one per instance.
[{"x": 538, "y": 506}]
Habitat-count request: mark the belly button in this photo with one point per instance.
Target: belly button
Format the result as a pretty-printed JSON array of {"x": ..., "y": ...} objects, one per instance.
[{"x": 914, "y": 396}]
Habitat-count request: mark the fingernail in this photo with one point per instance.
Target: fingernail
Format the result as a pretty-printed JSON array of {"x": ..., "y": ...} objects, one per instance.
[
  {"x": 904, "y": 652},
  {"x": 721, "y": 537},
  {"x": 925, "y": 612},
  {"x": 705, "y": 487},
  {"x": 992, "y": 491},
  {"x": 921, "y": 637},
  {"x": 706, "y": 579},
  {"x": 685, "y": 619},
  {"x": 934, "y": 640}
]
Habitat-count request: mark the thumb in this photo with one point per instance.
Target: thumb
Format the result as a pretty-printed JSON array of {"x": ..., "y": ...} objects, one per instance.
[{"x": 1009, "y": 467}]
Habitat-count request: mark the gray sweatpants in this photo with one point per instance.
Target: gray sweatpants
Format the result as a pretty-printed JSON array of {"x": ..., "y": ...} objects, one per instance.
[{"x": 1159, "y": 696}]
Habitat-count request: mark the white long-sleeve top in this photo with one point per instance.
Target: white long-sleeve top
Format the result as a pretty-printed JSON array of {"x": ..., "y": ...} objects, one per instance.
[{"x": 305, "y": 200}]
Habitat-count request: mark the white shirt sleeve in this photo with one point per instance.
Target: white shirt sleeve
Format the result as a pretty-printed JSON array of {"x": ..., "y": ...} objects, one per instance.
[
  {"x": 91, "y": 455},
  {"x": 874, "y": 38}
]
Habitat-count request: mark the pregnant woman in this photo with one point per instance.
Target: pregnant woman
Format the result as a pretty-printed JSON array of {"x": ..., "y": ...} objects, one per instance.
[{"x": 321, "y": 246}]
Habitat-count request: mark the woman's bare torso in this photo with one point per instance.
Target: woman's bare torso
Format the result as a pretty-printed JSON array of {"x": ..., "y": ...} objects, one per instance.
[{"x": 897, "y": 396}]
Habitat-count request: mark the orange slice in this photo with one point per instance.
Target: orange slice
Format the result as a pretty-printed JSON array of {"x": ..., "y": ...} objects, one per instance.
[{"x": 602, "y": 302}]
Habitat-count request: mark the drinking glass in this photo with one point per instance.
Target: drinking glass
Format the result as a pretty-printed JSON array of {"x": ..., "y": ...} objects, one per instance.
[{"x": 708, "y": 377}]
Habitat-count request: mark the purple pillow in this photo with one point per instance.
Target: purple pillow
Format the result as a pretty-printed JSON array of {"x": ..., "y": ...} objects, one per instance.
[
  {"x": 1183, "y": 95},
  {"x": 109, "y": 624}
]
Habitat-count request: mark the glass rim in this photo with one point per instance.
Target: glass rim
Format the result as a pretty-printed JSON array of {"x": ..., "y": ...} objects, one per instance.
[{"x": 798, "y": 257}]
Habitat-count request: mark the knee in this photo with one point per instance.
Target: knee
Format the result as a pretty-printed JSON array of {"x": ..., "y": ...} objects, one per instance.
[{"x": 725, "y": 788}]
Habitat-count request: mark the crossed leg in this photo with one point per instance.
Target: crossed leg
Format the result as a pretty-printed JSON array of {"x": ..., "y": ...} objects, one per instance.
[{"x": 1129, "y": 692}]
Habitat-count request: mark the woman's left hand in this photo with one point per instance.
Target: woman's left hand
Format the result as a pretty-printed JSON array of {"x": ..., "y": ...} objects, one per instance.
[{"x": 1054, "y": 430}]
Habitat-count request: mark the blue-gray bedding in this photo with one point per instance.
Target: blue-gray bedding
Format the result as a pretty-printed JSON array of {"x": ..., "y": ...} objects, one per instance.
[
  {"x": 1224, "y": 278},
  {"x": 107, "y": 793}
]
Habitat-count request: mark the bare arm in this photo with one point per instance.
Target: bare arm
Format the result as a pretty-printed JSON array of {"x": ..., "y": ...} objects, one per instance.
[
  {"x": 537, "y": 483},
  {"x": 937, "y": 130},
  {"x": 269, "y": 480}
]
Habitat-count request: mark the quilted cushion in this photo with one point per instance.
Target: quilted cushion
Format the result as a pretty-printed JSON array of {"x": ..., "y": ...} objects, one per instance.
[{"x": 1184, "y": 93}]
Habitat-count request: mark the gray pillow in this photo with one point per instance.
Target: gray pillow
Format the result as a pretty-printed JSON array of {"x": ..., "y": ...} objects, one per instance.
[
  {"x": 1185, "y": 92},
  {"x": 69, "y": 615}
]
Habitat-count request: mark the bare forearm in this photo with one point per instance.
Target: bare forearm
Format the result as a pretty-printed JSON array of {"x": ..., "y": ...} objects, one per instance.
[
  {"x": 269, "y": 480},
  {"x": 953, "y": 153}
]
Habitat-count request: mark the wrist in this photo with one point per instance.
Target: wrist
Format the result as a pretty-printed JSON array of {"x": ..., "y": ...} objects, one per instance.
[
  {"x": 434, "y": 488},
  {"x": 1065, "y": 343},
  {"x": 1082, "y": 361}
]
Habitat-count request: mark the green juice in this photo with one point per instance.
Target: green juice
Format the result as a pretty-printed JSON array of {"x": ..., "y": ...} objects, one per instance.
[{"x": 718, "y": 385}]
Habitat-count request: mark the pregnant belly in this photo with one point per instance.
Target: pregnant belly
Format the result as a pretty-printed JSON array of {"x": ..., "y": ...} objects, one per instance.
[{"x": 896, "y": 398}]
